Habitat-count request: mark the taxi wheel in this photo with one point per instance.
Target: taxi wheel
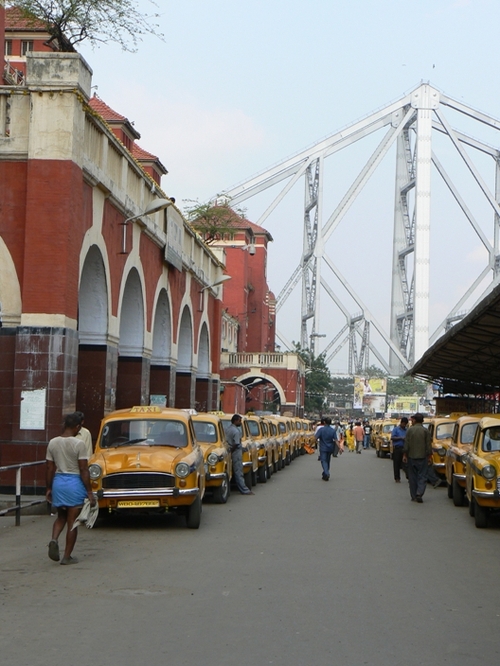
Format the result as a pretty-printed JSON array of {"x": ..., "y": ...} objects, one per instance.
[
  {"x": 221, "y": 493},
  {"x": 288, "y": 458},
  {"x": 193, "y": 515},
  {"x": 269, "y": 471},
  {"x": 254, "y": 478},
  {"x": 377, "y": 453},
  {"x": 248, "y": 480},
  {"x": 480, "y": 515},
  {"x": 275, "y": 466},
  {"x": 472, "y": 507},
  {"x": 458, "y": 493},
  {"x": 450, "y": 490},
  {"x": 262, "y": 474}
]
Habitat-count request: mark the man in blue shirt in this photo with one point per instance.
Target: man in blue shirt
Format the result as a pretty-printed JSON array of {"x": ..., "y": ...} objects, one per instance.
[
  {"x": 398, "y": 439},
  {"x": 327, "y": 440}
]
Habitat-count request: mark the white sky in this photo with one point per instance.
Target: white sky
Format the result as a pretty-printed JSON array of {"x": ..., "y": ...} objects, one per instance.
[{"x": 239, "y": 85}]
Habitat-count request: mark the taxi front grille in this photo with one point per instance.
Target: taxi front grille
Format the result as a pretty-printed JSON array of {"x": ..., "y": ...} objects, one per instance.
[{"x": 131, "y": 480}]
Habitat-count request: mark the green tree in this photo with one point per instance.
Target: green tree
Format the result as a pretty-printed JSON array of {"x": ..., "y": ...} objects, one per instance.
[
  {"x": 405, "y": 386},
  {"x": 318, "y": 380},
  {"x": 213, "y": 220},
  {"x": 70, "y": 22}
]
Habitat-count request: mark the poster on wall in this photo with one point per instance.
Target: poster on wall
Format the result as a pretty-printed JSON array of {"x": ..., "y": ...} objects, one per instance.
[
  {"x": 365, "y": 391},
  {"x": 403, "y": 404},
  {"x": 33, "y": 405}
]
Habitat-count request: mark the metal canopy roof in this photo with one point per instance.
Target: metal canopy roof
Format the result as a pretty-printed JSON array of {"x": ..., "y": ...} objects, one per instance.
[{"x": 466, "y": 359}]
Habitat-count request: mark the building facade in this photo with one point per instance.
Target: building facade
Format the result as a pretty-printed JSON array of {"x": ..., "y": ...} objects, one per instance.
[{"x": 101, "y": 305}]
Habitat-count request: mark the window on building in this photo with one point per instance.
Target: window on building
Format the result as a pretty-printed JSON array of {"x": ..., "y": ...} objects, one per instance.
[
  {"x": 8, "y": 47},
  {"x": 26, "y": 45}
]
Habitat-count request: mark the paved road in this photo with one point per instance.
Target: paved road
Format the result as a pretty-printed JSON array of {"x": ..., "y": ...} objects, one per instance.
[{"x": 304, "y": 573}]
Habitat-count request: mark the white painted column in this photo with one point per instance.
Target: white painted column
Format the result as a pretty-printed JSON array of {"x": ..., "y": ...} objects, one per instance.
[{"x": 424, "y": 99}]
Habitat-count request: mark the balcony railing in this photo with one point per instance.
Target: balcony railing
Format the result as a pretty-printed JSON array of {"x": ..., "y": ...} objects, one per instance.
[{"x": 288, "y": 361}]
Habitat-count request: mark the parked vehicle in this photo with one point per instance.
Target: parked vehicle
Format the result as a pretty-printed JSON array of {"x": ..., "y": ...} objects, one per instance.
[
  {"x": 482, "y": 470},
  {"x": 147, "y": 459},
  {"x": 456, "y": 456},
  {"x": 383, "y": 437},
  {"x": 211, "y": 437},
  {"x": 441, "y": 429}
]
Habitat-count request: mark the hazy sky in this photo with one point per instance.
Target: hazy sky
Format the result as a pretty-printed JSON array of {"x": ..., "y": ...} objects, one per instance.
[{"x": 238, "y": 85}]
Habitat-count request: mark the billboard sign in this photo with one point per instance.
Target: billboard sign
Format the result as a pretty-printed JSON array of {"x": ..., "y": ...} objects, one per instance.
[{"x": 370, "y": 393}]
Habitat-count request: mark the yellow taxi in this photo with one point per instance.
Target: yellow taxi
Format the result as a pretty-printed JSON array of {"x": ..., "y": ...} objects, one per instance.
[
  {"x": 456, "y": 456},
  {"x": 211, "y": 437},
  {"x": 381, "y": 434},
  {"x": 276, "y": 438},
  {"x": 258, "y": 430},
  {"x": 147, "y": 459},
  {"x": 441, "y": 429},
  {"x": 482, "y": 470}
]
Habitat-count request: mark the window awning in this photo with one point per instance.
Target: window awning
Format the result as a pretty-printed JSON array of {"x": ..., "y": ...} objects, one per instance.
[{"x": 466, "y": 359}]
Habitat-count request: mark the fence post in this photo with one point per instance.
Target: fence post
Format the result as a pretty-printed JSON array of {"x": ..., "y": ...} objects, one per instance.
[{"x": 18, "y": 496}]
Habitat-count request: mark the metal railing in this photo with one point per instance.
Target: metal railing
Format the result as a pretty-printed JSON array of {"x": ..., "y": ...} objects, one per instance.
[{"x": 17, "y": 506}]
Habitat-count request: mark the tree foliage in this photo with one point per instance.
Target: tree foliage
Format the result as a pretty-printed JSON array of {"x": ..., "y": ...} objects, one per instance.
[
  {"x": 318, "y": 380},
  {"x": 213, "y": 220},
  {"x": 70, "y": 22},
  {"x": 405, "y": 386}
]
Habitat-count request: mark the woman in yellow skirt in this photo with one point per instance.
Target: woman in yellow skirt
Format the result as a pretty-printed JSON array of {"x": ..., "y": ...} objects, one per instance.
[{"x": 349, "y": 435}]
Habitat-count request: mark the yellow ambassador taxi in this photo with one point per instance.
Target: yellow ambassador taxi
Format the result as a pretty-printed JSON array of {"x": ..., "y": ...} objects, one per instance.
[
  {"x": 258, "y": 430},
  {"x": 382, "y": 437},
  {"x": 211, "y": 437},
  {"x": 441, "y": 429},
  {"x": 456, "y": 456},
  {"x": 276, "y": 437},
  {"x": 482, "y": 470},
  {"x": 147, "y": 459}
]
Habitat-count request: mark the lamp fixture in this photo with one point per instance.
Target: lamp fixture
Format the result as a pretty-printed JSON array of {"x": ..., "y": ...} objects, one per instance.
[
  {"x": 153, "y": 207},
  {"x": 217, "y": 283}
]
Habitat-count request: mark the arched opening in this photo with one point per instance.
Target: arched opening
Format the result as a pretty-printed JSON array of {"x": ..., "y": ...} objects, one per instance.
[
  {"x": 203, "y": 376},
  {"x": 159, "y": 383},
  {"x": 184, "y": 386},
  {"x": 262, "y": 395},
  {"x": 132, "y": 384},
  {"x": 95, "y": 356}
]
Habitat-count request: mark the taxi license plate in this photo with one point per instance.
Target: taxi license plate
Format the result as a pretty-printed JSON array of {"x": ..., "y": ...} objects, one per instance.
[{"x": 138, "y": 504}]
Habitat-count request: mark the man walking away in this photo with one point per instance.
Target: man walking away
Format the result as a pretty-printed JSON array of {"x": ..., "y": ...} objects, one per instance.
[
  {"x": 233, "y": 436},
  {"x": 359, "y": 436},
  {"x": 327, "y": 439},
  {"x": 398, "y": 436},
  {"x": 417, "y": 452}
]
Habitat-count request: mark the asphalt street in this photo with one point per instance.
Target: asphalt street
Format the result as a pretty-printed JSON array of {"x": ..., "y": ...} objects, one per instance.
[{"x": 303, "y": 573}]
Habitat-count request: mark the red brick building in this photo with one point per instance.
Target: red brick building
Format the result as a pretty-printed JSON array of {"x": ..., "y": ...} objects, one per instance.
[
  {"x": 255, "y": 376},
  {"x": 96, "y": 313}
]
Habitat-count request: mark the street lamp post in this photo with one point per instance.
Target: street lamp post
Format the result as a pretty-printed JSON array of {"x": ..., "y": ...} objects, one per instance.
[{"x": 152, "y": 207}]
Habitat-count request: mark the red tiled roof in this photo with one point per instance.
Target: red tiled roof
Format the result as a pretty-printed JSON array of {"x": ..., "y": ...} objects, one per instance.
[
  {"x": 142, "y": 155},
  {"x": 16, "y": 20},
  {"x": 239, "y": 222},
  {"x": 105, "y": 111}
]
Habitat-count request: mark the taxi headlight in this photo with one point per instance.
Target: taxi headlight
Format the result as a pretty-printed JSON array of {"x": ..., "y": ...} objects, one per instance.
[
  {"x": 182, "y": 470},
  {"x": 212, "y": 459},
  {"x": 441, "y": 451},
  {"x": 489, "y": 472},
  {"x": 95, "y": 471},
  {"x": 463, "y": 459}
]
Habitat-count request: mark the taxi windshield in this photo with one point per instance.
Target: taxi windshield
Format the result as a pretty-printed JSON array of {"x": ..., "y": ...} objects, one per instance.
[
  {"x": 491, "y": 439},
  {"x": 444, "y": 430},
  {"x": 388, "y": 427},
  {"x": 468, "y": 432},
  {"x": 147, "y": 432},
  {"x": 205, "y": 432},
  {"x": 253, "y": 427}
]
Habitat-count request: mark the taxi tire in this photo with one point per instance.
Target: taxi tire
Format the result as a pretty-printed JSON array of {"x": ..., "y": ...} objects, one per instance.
[
  {"x": 275, "y": 466},
  {"x": 377, "y": 453},
  {"x": 288, "y": 458},
  {"x": 262, "y": 473},
  {"x": 254, "y": 478},
  {"x": 472, "y": 508},
  {"x": 269, "y": 471},
  {"x": 480, "y": 515},
  {"x": 449, "y": 490},
  {"x": 193, "y": 514},
  {"x": 221, "y": 493},
  {"x": 458, "y": 493}
]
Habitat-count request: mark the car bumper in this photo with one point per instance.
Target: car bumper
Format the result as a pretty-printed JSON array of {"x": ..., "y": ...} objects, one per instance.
[{"x": 147, "y": 492}]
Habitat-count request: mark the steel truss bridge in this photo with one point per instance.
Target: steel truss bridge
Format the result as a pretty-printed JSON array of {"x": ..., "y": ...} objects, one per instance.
[{"x": 410, "y": 124}]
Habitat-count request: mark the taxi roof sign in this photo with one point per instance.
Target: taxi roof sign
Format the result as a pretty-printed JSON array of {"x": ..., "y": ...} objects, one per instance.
[{"x": 146, "y": 409}]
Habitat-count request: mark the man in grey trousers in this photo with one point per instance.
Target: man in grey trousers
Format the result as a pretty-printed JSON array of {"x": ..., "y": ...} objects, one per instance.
[
  {"x": 233, "y": 435},
  {"x": 417, "y": 452}
]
